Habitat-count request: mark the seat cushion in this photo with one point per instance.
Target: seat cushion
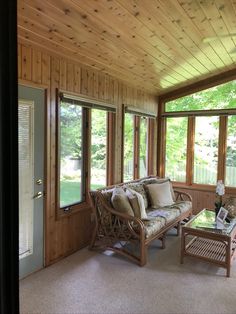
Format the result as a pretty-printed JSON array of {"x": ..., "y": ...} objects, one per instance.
[
  {"x": 182, "y": 206},
  {"x": 153, "y": 225},
  {"x": 169, "y": 214}
]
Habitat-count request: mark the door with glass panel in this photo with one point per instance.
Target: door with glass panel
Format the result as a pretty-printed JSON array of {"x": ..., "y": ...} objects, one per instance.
[{"x": 31, "y": 178}]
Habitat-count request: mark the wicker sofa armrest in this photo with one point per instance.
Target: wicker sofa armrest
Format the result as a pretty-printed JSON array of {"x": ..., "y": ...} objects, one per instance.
[
  {"x": 109, "y": 220},
  {"x": 182, "y": 196}
]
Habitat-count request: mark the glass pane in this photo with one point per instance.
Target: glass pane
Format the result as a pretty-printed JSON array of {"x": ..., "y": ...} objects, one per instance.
[
  {"x": 26, "y": 174},
  {"x": 70, "y": 154},
  {"x": 230, "y": 178},
  {"x": 143, "y": 147},
  {"x": 206, "y": 150},
  {"x": 176, "y": 146},
  {"x": 98, "y": 149},
  {"x": 129, "y": 147},
  {"x": 219, "y": 97}
]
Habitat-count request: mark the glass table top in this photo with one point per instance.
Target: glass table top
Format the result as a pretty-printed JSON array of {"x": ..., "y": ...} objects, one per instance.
[{"x": 206, "y": 221}]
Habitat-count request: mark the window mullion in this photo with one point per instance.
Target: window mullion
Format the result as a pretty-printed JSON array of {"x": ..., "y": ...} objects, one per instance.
[
  {"x": 110, "y": 147},
  {"x": 222, "y": 147},
  {"x": 190, "y": 150},
  {"x": 86, "y": 149},
  {"x": 136, "y": 146}
]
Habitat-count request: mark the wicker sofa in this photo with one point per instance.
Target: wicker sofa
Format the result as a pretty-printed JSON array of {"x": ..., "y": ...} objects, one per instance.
[{"x": 130, "y": 233}]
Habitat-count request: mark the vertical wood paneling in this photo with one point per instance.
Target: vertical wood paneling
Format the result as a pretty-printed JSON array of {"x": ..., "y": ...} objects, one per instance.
[
  {"x": 26, "y": 63},
  {"x": 70, "y": 77},
  {"x": 84, "y": 81},
  {"x": 46, "y": 69},
  {"x": 77, "y": 79},
  {"x": 36, "y": 66},
  {"x": 95, "y": 85},
  {"x": 101, "y": 86},
  {"x": 90, "y": 82},
  {"x": 63, "y": 74}
]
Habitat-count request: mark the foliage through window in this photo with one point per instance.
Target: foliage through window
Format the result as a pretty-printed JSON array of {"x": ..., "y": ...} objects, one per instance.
[
  {"x": 98, "y": 175},
  {"x": 217, "y": 97},
  {"x": 176, "y": 146},
  {"x": 82, "y": 137},
  {"x": 135, "y": 146},
  {"x": 206, "y": 150},
  {"x": 210, "y": 137},
  {"x": 71, "y": 154}
]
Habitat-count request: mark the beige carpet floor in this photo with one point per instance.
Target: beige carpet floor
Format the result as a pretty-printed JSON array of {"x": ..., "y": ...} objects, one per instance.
[{"x": 91, "y": 283}]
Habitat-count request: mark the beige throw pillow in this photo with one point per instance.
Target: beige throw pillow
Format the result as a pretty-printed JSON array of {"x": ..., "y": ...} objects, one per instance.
[
  {"x": 137, "y": 203},
  {"x": 120, "y": 201},
  {"x": 160, "y": 194}
]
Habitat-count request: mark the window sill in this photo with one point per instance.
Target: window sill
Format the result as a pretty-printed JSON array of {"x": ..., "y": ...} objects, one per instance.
[
  {"x": 74, "y": 209},
  {"x": 202, "y": 187}
]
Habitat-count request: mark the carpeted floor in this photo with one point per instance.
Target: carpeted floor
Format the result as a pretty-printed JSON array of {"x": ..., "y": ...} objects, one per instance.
[{"x": 92, "y": 283}]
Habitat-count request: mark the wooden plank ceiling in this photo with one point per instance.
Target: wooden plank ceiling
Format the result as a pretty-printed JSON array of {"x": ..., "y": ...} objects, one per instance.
[{"x": 156, "y": 45}]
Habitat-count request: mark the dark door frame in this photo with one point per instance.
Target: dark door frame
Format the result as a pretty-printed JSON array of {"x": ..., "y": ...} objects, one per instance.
[{"x": 9, "y": 278}]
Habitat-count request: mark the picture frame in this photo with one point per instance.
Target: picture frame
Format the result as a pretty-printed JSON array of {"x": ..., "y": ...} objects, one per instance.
[{"x": 222, "y": 214}]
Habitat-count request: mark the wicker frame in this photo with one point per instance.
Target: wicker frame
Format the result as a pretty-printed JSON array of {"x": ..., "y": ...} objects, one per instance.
[{"x": 123, "y": 233}]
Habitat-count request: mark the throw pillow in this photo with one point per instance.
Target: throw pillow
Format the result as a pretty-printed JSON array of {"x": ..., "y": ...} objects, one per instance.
[
  {"x": 137, "y": 203},
  {"x": 120, "y": 201},
  {"x": 160, "y": 194},
  {"x": 138, "y": 187},
  {"x": 160, "y": 181}
]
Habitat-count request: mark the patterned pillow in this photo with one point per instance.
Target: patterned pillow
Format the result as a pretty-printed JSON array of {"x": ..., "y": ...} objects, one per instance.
[{"x": 137, "y": 203}]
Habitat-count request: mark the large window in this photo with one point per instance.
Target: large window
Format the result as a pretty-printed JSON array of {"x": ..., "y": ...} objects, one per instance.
[
  {"x": 200, "y": 140},
  {"x": 85, "y": 150}
]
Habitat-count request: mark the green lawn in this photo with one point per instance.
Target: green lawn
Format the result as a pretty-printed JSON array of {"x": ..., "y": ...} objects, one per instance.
[{"x": 70, "y": 192}]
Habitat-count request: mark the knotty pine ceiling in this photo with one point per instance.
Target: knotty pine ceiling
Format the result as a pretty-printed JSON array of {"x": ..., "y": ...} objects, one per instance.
[{"x": 156, "y": 45}]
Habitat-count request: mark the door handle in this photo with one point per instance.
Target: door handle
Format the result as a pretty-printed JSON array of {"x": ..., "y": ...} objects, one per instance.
[{"x": 38, "y": 195}]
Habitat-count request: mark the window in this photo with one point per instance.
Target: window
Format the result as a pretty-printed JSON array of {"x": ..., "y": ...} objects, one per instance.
[
  {"x": 136, "y": 144},
  {"x": 230, "y": 171},
  {"x": 176, "y": 146},
  {"x": 218, "y": 97},
  {"x": 129, "y": 147},
  {"x": 143, "y": 146},
  {"x": 71, "y": 154},
  {"x": 85, "y": 149},
  {"x": 206, "y": 150},
  {"x": 200, "y": 142},
  {"x": 98, "y": 175}
]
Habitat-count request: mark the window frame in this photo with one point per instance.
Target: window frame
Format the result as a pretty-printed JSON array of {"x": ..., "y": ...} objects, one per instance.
[
  {"x": 222, "y": 140},
  {"x": 86, "y": 105}
]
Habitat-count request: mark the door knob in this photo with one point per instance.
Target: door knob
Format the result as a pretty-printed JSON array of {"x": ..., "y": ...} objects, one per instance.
[
  {"x": 38, "y": 195},
  {"x": 39, "y": 181}
]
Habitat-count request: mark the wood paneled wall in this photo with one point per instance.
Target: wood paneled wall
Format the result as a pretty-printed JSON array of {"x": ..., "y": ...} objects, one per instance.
[
  {"x": 64, "y": 235},
  {"x": 203, "y": 198}
]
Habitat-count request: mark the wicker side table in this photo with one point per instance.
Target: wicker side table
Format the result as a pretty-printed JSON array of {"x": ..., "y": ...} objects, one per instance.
[{"x": 209, "y": 244}]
